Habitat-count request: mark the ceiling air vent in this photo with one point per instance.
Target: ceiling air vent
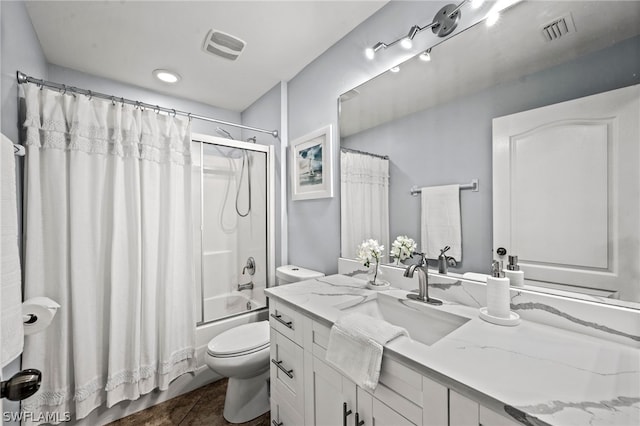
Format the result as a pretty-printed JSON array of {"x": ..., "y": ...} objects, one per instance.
[
  {"x": 558, "y": 28},
  {"x": 223, "y": 45}
]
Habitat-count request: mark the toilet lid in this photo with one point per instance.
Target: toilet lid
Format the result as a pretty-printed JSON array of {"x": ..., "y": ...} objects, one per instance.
[{"x": 241, "y": 339}]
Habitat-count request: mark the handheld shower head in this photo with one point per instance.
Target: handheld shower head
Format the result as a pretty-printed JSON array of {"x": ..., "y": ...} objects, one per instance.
[{"x": 223, "y": 132}]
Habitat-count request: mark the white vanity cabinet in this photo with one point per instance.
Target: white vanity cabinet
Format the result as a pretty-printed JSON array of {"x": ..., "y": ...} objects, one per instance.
[
  {"x": 305, "y": 390},
  {"x": 464, "y": 411},
  {"x": 286, "y": 364}
]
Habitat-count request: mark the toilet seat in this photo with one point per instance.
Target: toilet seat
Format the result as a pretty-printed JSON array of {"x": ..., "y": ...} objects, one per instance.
[{"x": 242, "y": 340}]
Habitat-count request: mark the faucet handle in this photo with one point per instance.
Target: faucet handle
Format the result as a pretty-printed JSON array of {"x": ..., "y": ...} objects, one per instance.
[{"x": 423, "y": 260}]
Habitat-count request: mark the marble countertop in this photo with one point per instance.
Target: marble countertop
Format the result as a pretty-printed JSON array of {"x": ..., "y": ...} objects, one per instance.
[{"x": 536, "y": 373}]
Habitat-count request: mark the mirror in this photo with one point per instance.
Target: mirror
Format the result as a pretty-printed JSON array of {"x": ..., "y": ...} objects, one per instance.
[{"x": 434, "y": 119}]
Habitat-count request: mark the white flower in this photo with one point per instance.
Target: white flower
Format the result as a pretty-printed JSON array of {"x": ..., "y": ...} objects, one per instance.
[
  {"x": 402, "y": 248},
  {"x": 369, "y": 251}
]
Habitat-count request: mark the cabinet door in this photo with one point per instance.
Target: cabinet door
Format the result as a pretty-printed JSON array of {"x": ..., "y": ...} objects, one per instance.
[
  {"x": 435, "y": 408},
  {"x": 282, "y": 413},
  {"x": 330, "y": 391},
  {"x": 491, "y": 418},
  {"x": 462, "y": 410}
]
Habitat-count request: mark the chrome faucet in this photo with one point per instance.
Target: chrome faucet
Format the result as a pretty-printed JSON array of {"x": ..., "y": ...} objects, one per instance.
[
  {"x": 247, "y": 286},
  {"x": 423, "y": 281}
]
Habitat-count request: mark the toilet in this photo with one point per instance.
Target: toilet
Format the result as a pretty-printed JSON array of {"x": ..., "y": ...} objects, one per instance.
[{"x": 242, "y": 354}]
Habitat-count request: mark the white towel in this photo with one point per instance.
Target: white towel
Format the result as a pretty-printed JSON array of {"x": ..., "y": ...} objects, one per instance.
[
  {"x": 12, "y": 335},
  {"x": 440, "y": 221},
  {"x": 355, "y": 347}
]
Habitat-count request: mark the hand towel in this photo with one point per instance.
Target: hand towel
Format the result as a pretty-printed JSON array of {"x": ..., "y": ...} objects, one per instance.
[
  {"x": 440, "y": 221},
  {"x": 12, "y": 335},
  {"x": 355, "y": 347}
]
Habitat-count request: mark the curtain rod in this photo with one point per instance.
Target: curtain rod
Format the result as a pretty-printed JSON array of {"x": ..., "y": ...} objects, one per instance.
[
  {"x": 356, "y": 151},
  {"x": 23, "y": 78}
]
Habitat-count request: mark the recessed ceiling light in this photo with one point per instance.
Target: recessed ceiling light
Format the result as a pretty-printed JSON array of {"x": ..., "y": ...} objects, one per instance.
[{"x": 166, "y": 76}]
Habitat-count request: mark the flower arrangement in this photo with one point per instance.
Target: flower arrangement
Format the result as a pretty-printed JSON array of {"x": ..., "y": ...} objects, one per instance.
[
  {"x": 368, "y": 252},
  {"x": 402, "y": 248}
]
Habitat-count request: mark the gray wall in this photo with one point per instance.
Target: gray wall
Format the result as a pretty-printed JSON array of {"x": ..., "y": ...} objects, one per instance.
[
  {"x": 20, "y": 50},
  {"x": 314, "y": 225},
  {"x": 452, "y": 143},
  {"x": 111, "y": 87},
  {"x": 265, "y": 113}
]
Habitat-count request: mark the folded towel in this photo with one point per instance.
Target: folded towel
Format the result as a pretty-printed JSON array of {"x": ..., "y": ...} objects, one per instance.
[
  {"x": 355, "y": 347},
  {"x": 440, "y": 221},
  {"x": 12, "y": 335}
]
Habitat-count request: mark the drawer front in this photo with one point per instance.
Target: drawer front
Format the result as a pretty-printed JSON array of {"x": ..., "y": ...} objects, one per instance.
[
  {"x": 319, "y": 339},
  {"x": 286, "y": 320},
  {"x": 401, "y": 379},
  {"x": 282, "y": 413},
  {"x": 287, "y": 374},
  {"x": 383, "y": 415}
]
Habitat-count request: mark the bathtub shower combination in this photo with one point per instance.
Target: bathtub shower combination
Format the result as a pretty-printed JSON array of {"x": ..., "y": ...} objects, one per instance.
[{"x": 230, "y": 203}]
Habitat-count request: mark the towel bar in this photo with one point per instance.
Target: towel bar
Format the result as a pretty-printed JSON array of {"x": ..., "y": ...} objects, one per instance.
[{"x": 474, "y": 185}]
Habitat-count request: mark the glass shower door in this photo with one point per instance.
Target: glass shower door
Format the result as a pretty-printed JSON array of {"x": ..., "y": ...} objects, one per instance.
[{"x": 231, "y": 208}]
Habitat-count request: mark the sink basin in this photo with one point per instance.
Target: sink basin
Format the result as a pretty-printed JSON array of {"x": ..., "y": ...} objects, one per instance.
[{"x": 424, "y": 323}]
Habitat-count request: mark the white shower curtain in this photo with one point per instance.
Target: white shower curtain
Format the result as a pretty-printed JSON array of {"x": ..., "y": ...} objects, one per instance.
[
  {"x": 108, "y": 236},
  {"x": 364, "y": 201}
]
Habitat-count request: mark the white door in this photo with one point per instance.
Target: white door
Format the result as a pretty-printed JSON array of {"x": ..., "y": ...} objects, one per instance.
[{"x": 566, "y": 185}]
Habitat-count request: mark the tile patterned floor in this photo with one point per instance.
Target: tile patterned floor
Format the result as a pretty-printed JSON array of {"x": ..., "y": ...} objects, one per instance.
[{"x": 201, "y": 407}]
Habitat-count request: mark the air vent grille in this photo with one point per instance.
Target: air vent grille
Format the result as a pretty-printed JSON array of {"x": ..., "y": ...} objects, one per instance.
[
  {"x": 223, "y": 45},
  {"x": 558, "y": 28}
]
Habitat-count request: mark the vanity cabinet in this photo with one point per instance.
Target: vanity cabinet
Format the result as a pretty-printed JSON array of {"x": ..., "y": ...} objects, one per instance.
[
  {"x": 464, "y": 411},
  {"x": 305, "y": 390}
]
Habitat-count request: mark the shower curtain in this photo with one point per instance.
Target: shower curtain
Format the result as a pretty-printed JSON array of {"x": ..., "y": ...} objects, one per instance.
[
  {"x": 364, "y": 201},
  {"x": 108, "y": 236}
]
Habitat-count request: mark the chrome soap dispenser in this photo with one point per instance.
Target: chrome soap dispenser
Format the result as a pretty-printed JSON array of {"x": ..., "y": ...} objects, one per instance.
[{"x": 513, "y": 272}]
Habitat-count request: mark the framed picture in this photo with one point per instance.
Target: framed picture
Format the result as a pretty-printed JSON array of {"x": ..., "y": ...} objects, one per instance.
[{"x": 311, "y": 165}]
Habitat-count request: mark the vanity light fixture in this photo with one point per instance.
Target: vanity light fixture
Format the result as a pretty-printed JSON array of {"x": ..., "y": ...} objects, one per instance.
[
  {"x": 166, "y": 76},
  {"x": 425, "y": 56},
  {"x": 407, "y": 42},
  {"x": 444, "y": 23},
  {"x": 475, "y": 4},
  {"x": 370, "y": 52},
  {"x": 395, "y": 69}
]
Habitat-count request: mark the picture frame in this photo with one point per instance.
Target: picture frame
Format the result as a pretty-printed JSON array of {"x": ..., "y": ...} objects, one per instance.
[{"x": 312, "y": 165}]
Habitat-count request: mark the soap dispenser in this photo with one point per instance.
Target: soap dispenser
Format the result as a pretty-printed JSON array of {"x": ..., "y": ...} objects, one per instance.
[
  {"x": 497, "y": 292},
  {"x": 498, "y": 309},
  {"x": 513, "y": 272}
]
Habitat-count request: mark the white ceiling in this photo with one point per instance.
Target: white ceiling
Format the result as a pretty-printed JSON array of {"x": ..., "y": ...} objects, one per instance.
[
  {"x": 483, "y": 57},
  {"x": 127, "y": 40}
]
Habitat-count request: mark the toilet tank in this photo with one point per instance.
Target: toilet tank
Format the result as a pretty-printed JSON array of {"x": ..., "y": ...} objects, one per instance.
[{"x": 291, "y": 273}]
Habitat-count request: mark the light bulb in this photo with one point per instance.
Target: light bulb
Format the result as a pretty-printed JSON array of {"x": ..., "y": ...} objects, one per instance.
[
  {"x": 166, "y": 76},
  {"x": 369, "y": 53},
  {"x": 492, "y": 18},
  {"x": 406, "y": 43},
  {"x": 425, "y": 56},
  {"x": 394, "y": 69}
]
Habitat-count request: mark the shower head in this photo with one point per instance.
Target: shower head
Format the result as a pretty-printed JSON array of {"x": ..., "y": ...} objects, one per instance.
[{"x": 223, "y": 132}]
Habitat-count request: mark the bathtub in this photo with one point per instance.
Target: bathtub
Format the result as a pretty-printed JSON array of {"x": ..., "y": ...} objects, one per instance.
[{"x": 230, "y": 304}]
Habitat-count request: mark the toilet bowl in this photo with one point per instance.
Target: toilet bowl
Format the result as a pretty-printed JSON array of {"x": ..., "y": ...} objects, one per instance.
[{"x": 242, "y": 354}]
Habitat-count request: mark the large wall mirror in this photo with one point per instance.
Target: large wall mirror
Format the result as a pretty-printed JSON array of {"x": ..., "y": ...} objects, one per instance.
[{"x": 434, "y": 119}]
